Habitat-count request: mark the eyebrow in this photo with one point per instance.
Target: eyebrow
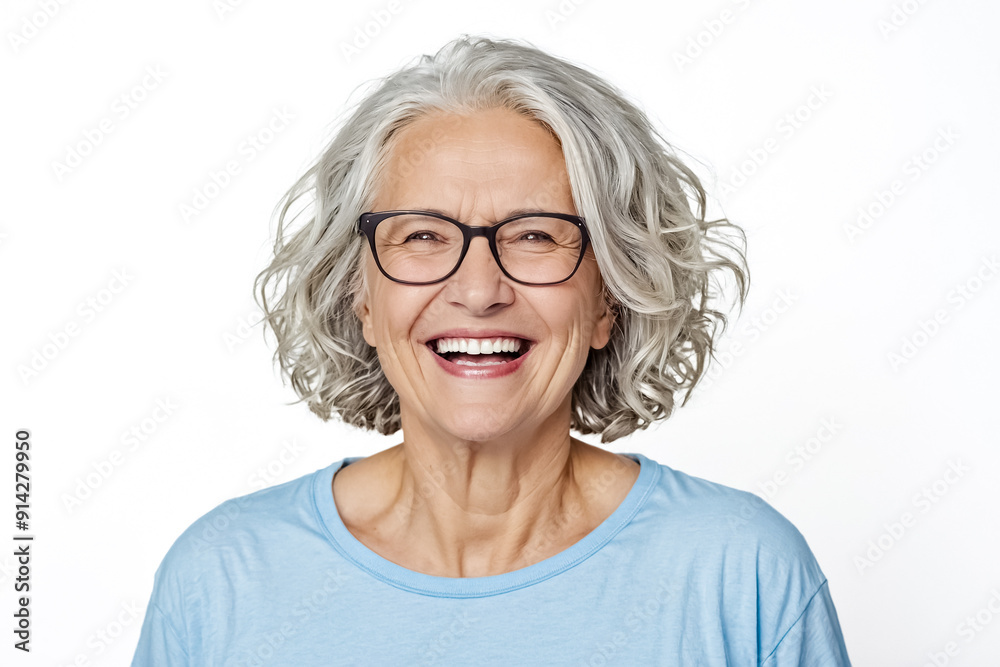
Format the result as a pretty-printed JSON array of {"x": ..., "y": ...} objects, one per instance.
[{"x": 513, "y": 213}]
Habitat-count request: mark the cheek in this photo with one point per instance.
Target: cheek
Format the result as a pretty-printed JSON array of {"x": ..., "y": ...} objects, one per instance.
[
  {"x": 569, "y": 320},
  {"x": 384, "y": 321},
  {"x": 379, "y": 307},
  {"x": 580, "y": 307},
  {"x": 389, "y": 314}
]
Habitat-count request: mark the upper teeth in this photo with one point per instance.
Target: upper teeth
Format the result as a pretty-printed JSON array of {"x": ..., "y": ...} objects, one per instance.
[{"x": 478, "y": 345}]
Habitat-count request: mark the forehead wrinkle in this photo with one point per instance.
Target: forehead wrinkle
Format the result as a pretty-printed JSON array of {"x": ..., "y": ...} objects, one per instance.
[
  {"x": 502, "y": 154},
  {"x": 476, "y": 170},
  {"x": 470, "y": 204}
]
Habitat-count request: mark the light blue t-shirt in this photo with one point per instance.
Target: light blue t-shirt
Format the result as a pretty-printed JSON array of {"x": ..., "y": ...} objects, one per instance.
[{"x": 684, "y": 572}]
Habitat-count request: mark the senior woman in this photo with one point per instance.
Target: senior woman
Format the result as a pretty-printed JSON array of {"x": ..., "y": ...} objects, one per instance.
[{"x": 496, "y": 248}]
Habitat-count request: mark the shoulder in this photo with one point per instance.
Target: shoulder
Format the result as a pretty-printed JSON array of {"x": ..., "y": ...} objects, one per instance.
[
  {"x": 719, "y": 519},
  {"x": 259, "y": 518},
  {"x": 754, "y": 561}
]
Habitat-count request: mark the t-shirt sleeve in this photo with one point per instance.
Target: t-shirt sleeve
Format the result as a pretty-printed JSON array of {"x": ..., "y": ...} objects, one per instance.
[
  {"x": 796, "y": 620},
  {"x": 159, "y": 643},
  {"x": 815, "y": 639},
  {"x": 163, "y": 640}
]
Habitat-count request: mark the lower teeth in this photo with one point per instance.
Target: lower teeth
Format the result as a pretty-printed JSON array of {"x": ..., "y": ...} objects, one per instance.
[{"x": 460, "y": 362}]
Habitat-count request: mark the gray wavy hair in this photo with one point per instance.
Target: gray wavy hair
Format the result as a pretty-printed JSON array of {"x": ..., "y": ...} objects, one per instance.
[{"x": 645, "y": 211}]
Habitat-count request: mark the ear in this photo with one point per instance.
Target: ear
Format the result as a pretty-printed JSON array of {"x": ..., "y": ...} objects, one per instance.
[
  {"x": 602, "y": 328},
  {"x": 365, "y": 315}
]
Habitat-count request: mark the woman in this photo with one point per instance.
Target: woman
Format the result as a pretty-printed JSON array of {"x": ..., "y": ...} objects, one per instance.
[{"x": 490, "y": 536}]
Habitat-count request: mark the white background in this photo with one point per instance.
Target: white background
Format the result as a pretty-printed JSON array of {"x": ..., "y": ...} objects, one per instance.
[{"x": 871, "y": 87}]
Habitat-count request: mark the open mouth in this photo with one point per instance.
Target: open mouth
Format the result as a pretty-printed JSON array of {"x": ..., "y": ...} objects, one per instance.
[{"x": 479, "y": 352}]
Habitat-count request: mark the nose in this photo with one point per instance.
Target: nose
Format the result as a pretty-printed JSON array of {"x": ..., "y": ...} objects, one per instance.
[{"x": 479, "y": 285}]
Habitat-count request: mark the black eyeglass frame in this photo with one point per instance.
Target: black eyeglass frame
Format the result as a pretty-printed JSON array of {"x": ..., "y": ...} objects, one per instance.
[{"x": 369, "y": 221}]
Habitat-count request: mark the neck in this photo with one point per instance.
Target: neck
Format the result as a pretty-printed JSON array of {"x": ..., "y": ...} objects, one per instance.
[
  {"x": 461, "y": 508},
  {"x": 477, "y": 505}
]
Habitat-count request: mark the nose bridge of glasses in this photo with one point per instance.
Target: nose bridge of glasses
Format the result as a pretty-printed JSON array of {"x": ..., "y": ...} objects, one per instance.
[
  {"x": 480, "y": 230},
  {"x": 484, "y": 247}
]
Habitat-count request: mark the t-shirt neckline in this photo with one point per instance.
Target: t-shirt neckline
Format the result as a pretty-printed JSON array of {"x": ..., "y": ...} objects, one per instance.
[{"x": 468, "y": 587}]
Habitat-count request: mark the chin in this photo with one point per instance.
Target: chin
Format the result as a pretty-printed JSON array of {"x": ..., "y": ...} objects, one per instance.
[{"x": 479, "y": 425}]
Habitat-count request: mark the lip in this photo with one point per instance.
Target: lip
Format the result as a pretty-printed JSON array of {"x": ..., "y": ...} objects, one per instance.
[
  {"x": 481, "y": 373},
  {"x": 485, "y": 372}
]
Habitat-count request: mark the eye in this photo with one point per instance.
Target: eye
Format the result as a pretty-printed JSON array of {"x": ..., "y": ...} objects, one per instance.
[
  {"x": 422, "y": 236},
  {"x": 538, "y": 237}
]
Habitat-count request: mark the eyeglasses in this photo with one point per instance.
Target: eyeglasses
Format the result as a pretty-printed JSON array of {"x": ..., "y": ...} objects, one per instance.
[{"x": 422, "y": 247}]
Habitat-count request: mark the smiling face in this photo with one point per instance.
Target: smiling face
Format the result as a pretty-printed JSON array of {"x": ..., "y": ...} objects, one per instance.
[{"x": 479, "y": 169}]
